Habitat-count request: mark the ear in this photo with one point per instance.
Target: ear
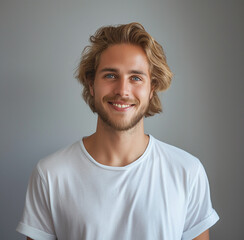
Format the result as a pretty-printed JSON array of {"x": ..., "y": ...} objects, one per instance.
[
  {"x": 154, "y": 87},
  {"x": 151, "y": 93},
  {"x": 91, "y": 89}
]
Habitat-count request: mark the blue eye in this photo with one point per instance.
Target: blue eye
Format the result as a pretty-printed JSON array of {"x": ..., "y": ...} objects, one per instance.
[
  {"x": 110, "y": 76},
  {"x": 135, "y": 78}
]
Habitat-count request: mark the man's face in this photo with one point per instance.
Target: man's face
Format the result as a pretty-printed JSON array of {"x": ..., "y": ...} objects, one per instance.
[{"x": 122, "y": 86}]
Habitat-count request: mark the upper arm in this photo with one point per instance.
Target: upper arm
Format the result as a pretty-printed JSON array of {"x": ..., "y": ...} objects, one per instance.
[
  {"x": 203, "y": 236},
  {"x": 37, "y": 208},
  {"x": 200, "y": 213}
]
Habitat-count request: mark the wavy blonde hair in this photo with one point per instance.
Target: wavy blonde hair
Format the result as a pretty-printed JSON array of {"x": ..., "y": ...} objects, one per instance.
[{"x": 132, "y": 33}]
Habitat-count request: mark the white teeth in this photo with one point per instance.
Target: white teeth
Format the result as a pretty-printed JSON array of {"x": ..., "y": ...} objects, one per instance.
[{"x": 121, "y": 105}]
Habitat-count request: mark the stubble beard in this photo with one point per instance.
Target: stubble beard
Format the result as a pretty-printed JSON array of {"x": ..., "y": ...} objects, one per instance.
[{"x": 122, "y": 125}]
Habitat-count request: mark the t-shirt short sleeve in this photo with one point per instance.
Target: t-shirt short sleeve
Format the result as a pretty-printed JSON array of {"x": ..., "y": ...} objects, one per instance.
[
  {"x": 200, "y": 213},
  {"x": 37, "y": 222}
]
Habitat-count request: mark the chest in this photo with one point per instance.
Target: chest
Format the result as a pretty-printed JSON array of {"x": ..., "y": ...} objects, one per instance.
[{"x": 137, "y": 204}]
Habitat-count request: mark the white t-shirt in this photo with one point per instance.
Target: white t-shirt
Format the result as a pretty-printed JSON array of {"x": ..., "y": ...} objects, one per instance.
[{"x": 162, "y": 195}]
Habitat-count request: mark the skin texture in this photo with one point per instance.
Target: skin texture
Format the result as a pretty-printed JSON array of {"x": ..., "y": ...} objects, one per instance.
[{"x": 122, "y": 79}]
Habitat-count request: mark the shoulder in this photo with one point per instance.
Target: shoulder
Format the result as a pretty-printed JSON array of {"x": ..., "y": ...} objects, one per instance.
[
  {"x": 175, "y": 158},
  {"x": 60, "y": 161},
  {"x": 180, "y": 168}
]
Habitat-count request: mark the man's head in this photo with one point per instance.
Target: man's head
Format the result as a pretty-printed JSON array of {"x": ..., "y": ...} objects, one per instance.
[{"x": 134, "y": 34}]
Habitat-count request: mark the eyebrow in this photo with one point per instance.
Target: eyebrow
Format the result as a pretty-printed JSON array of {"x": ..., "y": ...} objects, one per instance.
[
  {"x": 138, "y": 72},
  {"x": 115, "y": 70},
  {"x": 109, "y": 70}
]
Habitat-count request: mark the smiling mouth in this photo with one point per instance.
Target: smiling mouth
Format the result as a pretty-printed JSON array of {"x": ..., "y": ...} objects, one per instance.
[{"x": 121, "y": 106}]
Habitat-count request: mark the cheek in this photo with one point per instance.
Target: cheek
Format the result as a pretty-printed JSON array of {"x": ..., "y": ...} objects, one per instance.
[
  {"x": 101, "y": 90},
  {"x": 143, "y": 93}
]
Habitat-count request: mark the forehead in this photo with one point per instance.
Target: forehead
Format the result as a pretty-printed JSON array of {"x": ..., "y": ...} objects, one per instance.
[{"x": 124, "y": 56}]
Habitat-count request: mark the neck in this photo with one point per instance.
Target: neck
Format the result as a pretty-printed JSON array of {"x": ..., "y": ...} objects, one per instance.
[{"x": 116, "y": 148}]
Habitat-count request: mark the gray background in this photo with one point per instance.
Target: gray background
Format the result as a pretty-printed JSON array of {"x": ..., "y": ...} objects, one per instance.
[{"x": 42, "y": 110}]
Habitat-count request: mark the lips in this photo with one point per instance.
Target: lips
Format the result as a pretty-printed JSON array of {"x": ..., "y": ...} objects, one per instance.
[{"x": 121, "y": 105}]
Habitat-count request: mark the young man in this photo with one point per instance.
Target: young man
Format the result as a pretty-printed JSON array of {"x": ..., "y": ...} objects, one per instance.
[{"x": 119, "y": 183}]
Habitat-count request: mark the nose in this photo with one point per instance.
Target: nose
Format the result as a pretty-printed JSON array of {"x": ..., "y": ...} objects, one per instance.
[{"x": 122, "y": 87}]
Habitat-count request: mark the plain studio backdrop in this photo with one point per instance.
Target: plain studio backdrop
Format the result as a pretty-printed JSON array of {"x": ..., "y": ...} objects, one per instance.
[{"x": 42, "y": 110}]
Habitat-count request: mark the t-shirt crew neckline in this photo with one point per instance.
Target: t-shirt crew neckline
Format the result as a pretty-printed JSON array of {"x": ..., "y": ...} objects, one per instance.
[{"x": 136, "y": 162}]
